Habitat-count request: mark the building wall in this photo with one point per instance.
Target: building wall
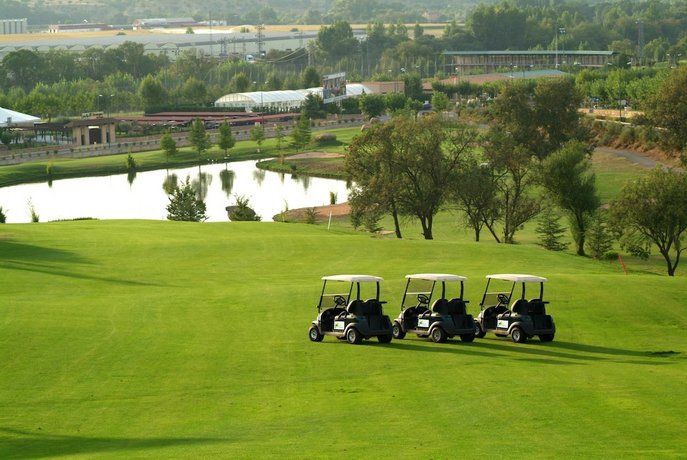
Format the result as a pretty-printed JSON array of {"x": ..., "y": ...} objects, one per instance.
[{"x": 13, "y": 26}]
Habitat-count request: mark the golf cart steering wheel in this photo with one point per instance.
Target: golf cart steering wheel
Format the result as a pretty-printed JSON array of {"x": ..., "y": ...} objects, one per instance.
[
  {"x": 339, "y": 300},
  {"x": 423, "y": 299},
  {"x": 503, "y": 299}
]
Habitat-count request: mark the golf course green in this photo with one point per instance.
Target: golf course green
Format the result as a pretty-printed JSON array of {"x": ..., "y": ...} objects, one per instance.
[{"x": 149, "y": 339}]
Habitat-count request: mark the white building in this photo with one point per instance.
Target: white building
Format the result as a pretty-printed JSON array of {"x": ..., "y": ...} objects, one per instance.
[{"x": 284, "y": 100}]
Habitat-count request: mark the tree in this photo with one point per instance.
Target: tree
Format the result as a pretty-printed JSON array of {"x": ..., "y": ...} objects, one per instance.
[
  {"x": 419, "y": 157},
  {"x": 310, "y": 78},
  {"x": 225, "y": 139},
  {"x": 599, "y": 238},
  {"x": 371, "y": 165},
  {"x": 257, "y": 134},
  {"x": 655, "y": 208},
  {"x": 337, "y": 41},
  {"x": 151, "y": 91},
  {"x": 372, "y": 105},
  {"x": 198, "y": 137},
  {"x": 184, "y": 205},
  {"x": 550, "y": 231},
  {"x": 301, "y": 134},
  {"x": 512, "y": 168},
  {"x": 566, "y": 175},
  {"x": 541, "y": 122},
  {"x": 668, "y": 110},
  {"x": 168, "y": 145},
  {"x": 440, "y": 101},
  {"x": 474, "y": 193}
]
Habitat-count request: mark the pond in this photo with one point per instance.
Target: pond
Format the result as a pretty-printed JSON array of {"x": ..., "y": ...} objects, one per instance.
[{"x": 143, "y": 196}]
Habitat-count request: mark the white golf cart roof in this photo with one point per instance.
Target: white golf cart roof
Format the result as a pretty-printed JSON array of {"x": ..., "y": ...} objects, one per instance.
[
  {"x": 353, "y": 278},
  {"x": 517, "y": 278},
  {"x": 436, "y": 277}
]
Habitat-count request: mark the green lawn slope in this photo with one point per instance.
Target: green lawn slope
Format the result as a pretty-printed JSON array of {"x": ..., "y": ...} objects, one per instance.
[{"x": 143, "y": 339}]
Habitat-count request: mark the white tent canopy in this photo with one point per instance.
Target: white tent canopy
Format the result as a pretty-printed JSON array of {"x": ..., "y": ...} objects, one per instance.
[{"x": 10, "y": 117}]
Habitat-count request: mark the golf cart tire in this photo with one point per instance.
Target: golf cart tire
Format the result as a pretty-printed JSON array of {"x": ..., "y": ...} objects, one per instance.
[
  {"x": 438, "y": 335},
  {"x": 314, "y": 334},
  {"x": 467, "y": 337},
  {"x": 546, "y": 337},
  {"x": 479, "y": 332},
  {"x": 518, "y": 335},
  {"x": 353, "y": 336},
  {"x": 386, "y": 338},
  {"x": 397, "y": 331}
]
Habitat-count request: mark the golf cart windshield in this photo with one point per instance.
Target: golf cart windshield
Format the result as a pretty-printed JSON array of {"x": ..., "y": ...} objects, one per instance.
[
  {"x": 423, "y": 289},
  {"x": 501, "y": 289},
  {"x": 340, "y": 290}
]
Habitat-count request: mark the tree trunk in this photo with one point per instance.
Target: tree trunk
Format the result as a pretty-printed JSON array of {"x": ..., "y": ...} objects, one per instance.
[{"x": 397, "y": 225}]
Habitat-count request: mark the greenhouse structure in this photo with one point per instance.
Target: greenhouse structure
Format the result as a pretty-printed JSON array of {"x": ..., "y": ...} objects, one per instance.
[{"x": 280, "y": 101}]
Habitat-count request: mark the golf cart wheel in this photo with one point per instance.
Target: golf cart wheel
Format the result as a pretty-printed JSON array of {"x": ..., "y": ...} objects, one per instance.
[
  {"x": 438, "y": 335},
  {"x": 518, "y": 335},
  {"x": 479, "y": 332},
  {"x": 353, "y": 336},
  {"x": 386, "y": 338},
  {"x": 397, "y": 331},
  {"x": 467, "y": 337},
  {"x": 314, "y": 334},
  {"x": 546, "y": 337}
]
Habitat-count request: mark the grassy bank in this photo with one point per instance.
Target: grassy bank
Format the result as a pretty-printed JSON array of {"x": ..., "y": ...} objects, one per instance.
[
  {"x": 142, "y": 339},
  {"x": 60, "y": 168}
]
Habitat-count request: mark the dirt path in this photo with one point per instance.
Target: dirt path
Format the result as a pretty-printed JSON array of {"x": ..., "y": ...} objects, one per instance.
[{"x": 636, "y": 157}]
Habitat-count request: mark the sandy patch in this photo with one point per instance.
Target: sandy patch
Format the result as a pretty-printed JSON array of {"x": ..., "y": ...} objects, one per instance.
[{"x": 303, "y": 155}]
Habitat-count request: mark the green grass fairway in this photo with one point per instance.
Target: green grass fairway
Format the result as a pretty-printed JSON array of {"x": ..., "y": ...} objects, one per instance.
[{"x": 143, "y": 339}]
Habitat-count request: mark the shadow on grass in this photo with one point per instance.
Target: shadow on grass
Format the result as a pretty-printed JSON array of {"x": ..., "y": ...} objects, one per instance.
[
  {"x": 23, "y": 444},
  {"x": 50, "y": 261},
  {"x": 460, "y": 348}
]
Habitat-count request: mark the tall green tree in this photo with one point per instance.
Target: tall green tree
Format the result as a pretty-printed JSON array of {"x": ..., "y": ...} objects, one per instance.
[
  {"x": 199, "y": 137},
  {"x": 168, "y": 145},
  {"x": 225, "y": 139},
  {"x": 371, "y": 165},
  {"x": 567, "y": 176},
  {"x": 301, "y": 134},
  {"x": 337, "y": 41},
  {"x": 151, "y": 91},
  {"x": 667, "y": 109},
  {"x": 655, "y": 208},
  {"x": 257, "y": 135}
]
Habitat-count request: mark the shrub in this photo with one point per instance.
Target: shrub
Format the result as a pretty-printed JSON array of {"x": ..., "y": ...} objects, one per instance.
[
  {"x": 627, "y": 136},
  {"x": 325, "y": 138},
  {"x": 32, "y": 210},
  {"x": 311, "y": 215},
  {"x": 241, "y": 211},
  {"x": 332, "y": 197},
  {"x": 3, "y": 216}
]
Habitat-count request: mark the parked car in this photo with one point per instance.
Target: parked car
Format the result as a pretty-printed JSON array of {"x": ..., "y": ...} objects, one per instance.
[
  {"x": 505, "y": 309},
  {"x": 344, "y": 314},
  {"x": 427, "y": 311}
]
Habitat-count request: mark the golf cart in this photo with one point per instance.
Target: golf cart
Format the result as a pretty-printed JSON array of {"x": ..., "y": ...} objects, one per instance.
[
  {"x": 344, "y": 314},
  {"x": 445, "y": 319},
  {"x": 505, "y": 312}
]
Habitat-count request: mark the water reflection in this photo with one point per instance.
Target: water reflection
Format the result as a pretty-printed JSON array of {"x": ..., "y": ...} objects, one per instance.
[
  {"x": 115, "y": 197},
  {"x": 201, "y": 184},
  {"x": 226, "y": 176}
]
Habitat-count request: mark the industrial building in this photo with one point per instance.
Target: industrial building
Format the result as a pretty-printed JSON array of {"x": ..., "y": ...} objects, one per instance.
[{"x": 13, "y": 26}]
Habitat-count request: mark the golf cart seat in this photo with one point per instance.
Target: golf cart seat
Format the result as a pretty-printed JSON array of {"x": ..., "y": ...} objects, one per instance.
[
  {"x": 441, "y": 307},
  {"x": 372, "y": 307},
  {"x": 521, "y": 307},
  {"x": 356, "y": 307},
  {"x": 536, "y": 307},
  {"x": 457, "y": 306}
]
